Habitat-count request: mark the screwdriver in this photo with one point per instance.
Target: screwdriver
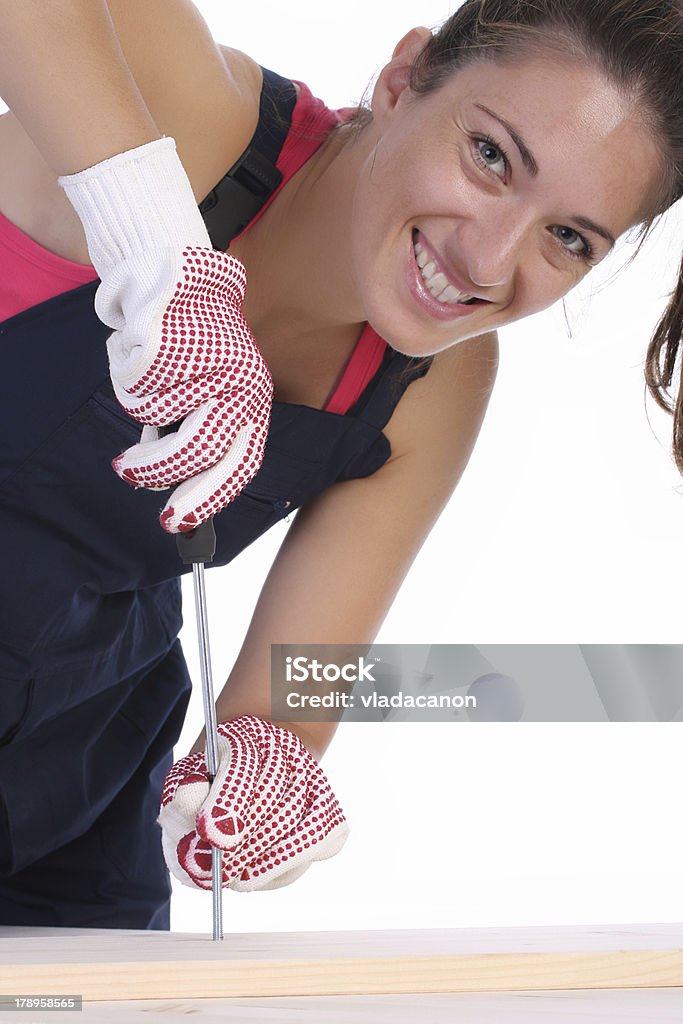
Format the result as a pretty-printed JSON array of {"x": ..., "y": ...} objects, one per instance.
[{"x": 196, "y": 547}]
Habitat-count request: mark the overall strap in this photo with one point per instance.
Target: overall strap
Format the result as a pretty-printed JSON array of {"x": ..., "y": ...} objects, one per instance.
[
  {"x": 250, "y": 182},
  {"x": 383, "y": 393}
]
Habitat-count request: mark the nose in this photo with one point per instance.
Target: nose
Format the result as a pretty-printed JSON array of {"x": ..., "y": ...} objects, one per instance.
[{"x": 490, "y": 245}]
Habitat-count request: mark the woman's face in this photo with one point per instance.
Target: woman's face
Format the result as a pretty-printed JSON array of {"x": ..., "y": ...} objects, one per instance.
[{"x": 508, "y": 179}]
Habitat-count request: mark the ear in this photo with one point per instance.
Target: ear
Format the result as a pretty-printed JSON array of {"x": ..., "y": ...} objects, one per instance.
[{"x": 393, "y": 79}]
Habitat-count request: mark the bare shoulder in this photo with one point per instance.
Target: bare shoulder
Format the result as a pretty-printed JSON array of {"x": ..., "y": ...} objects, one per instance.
[
  {"x": 203, "y": 94},
  {"x": 155, "y": 32},
  {"x": 440, "y": 414}
]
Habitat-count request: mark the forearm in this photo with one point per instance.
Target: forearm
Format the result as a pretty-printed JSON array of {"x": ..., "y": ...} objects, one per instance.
[
  {"x": 248, "y": 692},
  {"x": 65, "y": 77}
]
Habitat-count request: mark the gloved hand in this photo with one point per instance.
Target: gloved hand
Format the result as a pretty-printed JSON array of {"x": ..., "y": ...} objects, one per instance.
[
  {"x": 270, "y": 808},
  {"x": 180, "y": 347}
]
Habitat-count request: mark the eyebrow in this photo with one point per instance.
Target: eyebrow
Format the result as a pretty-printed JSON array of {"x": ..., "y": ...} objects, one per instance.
[
  {"x": 524, "y": 151},
  {"x": 529, "y": 162},
  {"x": 590, "y": 225}
]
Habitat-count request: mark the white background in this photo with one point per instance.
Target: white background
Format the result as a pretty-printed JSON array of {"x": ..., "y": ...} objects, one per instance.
[{"x": 567, "y": 527}]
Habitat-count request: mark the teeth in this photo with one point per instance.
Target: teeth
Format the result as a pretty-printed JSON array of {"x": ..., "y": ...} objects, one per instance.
[
  {"x": 439, "y": 282},
  {"x": 450, "y": 293},
  {"x": 436, "y": 281}
]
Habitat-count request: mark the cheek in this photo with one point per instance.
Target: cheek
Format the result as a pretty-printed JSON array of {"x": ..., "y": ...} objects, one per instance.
[
  {"x": 541, "y": 287},
  {"x": 381, "y": 208},
  {"x": 365, "y": 234}
]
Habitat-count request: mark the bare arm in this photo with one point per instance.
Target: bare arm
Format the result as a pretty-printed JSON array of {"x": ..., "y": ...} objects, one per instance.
[
  {"x": 64, "y": 75},
  {"x": 346, "y": 554},
  {"x": 204, "y": 96},
  {"x": 87, "y": 79}
]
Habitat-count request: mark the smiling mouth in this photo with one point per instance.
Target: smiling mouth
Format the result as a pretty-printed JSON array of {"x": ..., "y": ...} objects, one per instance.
[{"x": 435, "y": 282}]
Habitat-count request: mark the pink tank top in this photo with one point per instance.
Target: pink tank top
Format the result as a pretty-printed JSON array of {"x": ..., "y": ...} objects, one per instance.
[{"x": 32, "y": 274}]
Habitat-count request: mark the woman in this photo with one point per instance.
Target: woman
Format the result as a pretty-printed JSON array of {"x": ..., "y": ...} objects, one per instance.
[{"x": 476, "y": 193}]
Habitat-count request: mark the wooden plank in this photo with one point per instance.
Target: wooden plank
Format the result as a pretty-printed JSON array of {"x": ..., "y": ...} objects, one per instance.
[
  {"x": 104, "y": 964},
  {"x": 608, "y": 1006}
]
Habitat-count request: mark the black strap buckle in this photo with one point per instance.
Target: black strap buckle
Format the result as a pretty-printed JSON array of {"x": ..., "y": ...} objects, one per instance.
[{"x": 238, "y": 197}]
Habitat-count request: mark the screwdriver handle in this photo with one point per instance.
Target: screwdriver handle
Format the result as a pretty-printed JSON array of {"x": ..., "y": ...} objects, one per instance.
[{"x": 198, "y": 545}]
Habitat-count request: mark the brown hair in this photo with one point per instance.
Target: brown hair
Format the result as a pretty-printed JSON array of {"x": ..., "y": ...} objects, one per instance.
[{"x": 638, "y": 45}]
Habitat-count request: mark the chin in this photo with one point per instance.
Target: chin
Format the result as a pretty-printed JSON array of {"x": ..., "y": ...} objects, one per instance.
[
  {"x": 424, "y": 351},
  {"x": 413, "y": 352},
  {"x": 401, "y": 341},
  {"x": 416, "y": 341}
]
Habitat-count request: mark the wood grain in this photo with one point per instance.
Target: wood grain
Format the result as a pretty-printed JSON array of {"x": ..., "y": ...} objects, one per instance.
[
  {"x": 607, "y": 1006},
  {"x": 104, "y": 964}
]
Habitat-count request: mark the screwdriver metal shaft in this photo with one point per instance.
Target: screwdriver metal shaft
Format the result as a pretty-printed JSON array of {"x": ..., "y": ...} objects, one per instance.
[
  {"x": 198, "y": 547},
  {"x": 211, "y": 734}
]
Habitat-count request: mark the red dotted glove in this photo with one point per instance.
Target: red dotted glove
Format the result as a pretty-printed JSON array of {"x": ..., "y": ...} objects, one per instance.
[
  {"x": 181, "y": 348},
  {"x": 207, "y": 368},
  {"x": 270, "y": 809}
]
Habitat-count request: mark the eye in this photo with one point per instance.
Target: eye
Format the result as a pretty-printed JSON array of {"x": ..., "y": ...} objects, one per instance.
[
  {"x": 569, "y": 237},
  {"x": 488, "y": 154}
]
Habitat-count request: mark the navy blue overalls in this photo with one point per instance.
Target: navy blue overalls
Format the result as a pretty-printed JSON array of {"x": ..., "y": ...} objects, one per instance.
[{"x": 93, "y": 683}]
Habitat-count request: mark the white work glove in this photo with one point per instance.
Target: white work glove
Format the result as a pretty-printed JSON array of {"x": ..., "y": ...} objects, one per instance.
[
  {"x": 270, "y": 809},
  {"x": 180, "y": 347}
]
